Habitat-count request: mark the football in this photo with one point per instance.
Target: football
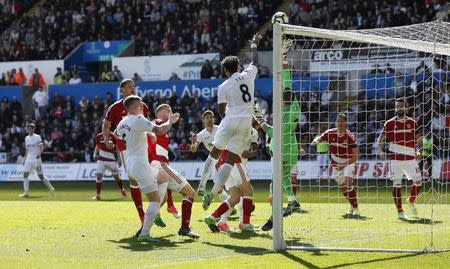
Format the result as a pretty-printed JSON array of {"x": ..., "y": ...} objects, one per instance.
[{"x": 280, "y": 17}]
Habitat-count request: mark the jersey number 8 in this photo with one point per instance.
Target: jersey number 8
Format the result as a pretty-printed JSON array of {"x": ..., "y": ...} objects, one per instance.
[{"x": 246, "y": 97}]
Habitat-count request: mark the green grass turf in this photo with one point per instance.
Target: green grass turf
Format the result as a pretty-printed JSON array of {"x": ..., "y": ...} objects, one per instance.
[{"x": 72, "y": 231}]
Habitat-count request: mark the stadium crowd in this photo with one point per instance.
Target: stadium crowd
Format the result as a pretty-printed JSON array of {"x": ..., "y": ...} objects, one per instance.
[{"x": 158, "y": 27}]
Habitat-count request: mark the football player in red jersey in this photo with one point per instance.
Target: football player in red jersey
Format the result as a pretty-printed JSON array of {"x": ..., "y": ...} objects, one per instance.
[
  {"x": 106, "y": 161},
  {"x": 402, "y": 134},
  {"x": 158, "y": 154},
  {"x": 115, "y": 113},
  {"x": 344, "y": 153}
]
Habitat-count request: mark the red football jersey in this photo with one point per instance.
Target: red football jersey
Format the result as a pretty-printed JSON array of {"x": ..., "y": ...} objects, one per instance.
[
  {"x": 104, "y": 153},
  {"x": 401, "y": 135},
  {"x": 341, "y": 146},
  {"x": 160, "y": 150},
  {"x": 116, "y": 112}
]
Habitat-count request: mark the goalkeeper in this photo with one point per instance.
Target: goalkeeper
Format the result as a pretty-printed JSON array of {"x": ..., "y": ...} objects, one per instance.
[{"x": 290, "y": 149}]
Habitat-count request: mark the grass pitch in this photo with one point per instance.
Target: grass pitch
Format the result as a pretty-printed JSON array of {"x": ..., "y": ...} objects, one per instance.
[{"x": 72, "y": 231}]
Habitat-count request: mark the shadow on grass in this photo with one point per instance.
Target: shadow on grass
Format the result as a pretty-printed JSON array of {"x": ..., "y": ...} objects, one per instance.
[
  {"x": 132, "y": 244},
  {"x": 248, "y": 235},
  {"x": 363, "y": 263},
  {"x": 298, "y": 260},
  {"x": 241, "y": 249},
  {"x": 422, "y": 221},
  {"x": 347, "y": 216},
  {"x": 111, "y": 199},
  {"x": 300, "y": 211},
  {"x": 33, "y": 197}
]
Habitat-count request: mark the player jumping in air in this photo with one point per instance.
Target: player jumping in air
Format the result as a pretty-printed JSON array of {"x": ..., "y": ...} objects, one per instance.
[
  {"x": 133, "y": 130},
  {"x": 402, "y": 133},
  {"x": 34, "y": 146},
  {"x": 344, "y": 153},
  {"x": 235, "y": 97},
  {"x": 106, "y": 161},
  {"x": 158, "y": 154}
]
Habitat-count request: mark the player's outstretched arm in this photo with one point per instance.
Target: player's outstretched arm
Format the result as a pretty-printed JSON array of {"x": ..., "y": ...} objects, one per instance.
[
  {"x": 315, "y": 141},
  {"x": 254, "y": 48},
  {"x": 163, "y": 128}
]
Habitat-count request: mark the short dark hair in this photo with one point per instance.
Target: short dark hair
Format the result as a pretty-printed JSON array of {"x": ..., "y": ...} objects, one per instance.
[
  {"x": 125, "y": 82},
  {"x": 207, "y": 112},
  {"x": 230, "y": 63},
  {"x": 31, "y": 124},
  {"x": 128, "y": 101},
  {"x": 341, "y": 115},
  {"x": 402, "y": 100}
]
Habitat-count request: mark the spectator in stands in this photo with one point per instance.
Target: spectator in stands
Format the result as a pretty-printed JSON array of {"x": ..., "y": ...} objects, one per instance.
[
  {"x": 184, "y": 149},
  {"x": 388, "y": 69},
  {"x": 106, "y": 76},
  {"x": 37, "y": 80},
  {"x": 59, "y": 77},
  {"x": 136, "y": 77},
  {"x": 3, "y": 80},
  {"x": 207, "y": 71},
  {"x": 20, "y": 77},
  {"x": 75, "y": 79},
  {"x": 174, "y": 76},
  {"x": 173, "y": 149},
  {"x": 40, "y": 97},
  {"x": 116, "y": 74}
]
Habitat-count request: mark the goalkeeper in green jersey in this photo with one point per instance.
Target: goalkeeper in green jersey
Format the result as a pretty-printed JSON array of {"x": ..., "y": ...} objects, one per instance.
[{"x": 290, "y": 149}]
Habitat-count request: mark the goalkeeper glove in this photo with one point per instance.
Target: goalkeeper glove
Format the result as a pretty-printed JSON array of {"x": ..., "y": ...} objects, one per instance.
[{"x": 258, "y": 115}]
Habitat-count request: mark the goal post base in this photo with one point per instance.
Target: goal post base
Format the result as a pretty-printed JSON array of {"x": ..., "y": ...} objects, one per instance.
[{"x": 422, "y": 251}]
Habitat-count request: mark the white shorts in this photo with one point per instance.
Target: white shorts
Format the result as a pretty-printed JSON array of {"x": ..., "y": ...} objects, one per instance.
[
  {"x": 141, "y": 171},
  {"x": 233, "y": 134},
  {"x": 31, "y": 166},
  {"x": 239, "y": 175},
  {"x": 103, "y": 166},
  {"x": 176, "y": 180},
  {"x": 340, "y": 175},
  {"x": 409, "y": 168},
  {"x": 322, "y": 158}
]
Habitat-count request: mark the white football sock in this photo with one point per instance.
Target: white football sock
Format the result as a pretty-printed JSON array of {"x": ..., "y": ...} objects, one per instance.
[
  {"x": 223, "y": 196},
  {"x": 208, "y": 167},
  {"x": 150, "y": 215},
  {"x": 162, "y": 190},
  {"x": 221, "y": 178},
  {"x": 26, "y": 185},
  {"x": 47, "y": 183}
]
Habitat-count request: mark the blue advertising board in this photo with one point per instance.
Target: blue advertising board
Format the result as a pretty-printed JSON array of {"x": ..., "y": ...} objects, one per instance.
[{"x": 103, "y": 51}]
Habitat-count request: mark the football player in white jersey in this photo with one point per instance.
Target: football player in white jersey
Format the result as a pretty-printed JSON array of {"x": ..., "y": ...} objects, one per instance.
[
  {"x": 133, "y": 130},
  {"x": 235, "y": 104},
  {"x": 206, "y": 136},
  {"x": 34, "y": 146}
]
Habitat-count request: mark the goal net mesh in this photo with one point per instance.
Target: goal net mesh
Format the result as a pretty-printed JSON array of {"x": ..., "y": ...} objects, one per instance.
[{"x": 361, "y": 73}]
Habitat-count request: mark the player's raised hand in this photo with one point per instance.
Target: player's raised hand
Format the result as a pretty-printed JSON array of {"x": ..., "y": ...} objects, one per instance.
[
  {"x": 194, "y": 138},
  {"x": 256, "y": 38},
  {"x": 174, "y": 117}
]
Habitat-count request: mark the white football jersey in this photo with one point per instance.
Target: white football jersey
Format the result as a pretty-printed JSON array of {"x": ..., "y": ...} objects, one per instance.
[
  {"x": 238, "y": 92},
  {"x": 207, "y": 138},
  {"x": 32, "y": 143},
  {"x": 252, "y": 139},
  {"x": 133, "y": 130}
]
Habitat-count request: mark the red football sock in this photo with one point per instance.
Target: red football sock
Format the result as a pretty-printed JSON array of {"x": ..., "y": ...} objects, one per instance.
[
  {"x": 98, "y": 187},
  {"x": 137, "y": 199},
  {"x": 397, "y": 194},
  {"x": 224, "y": 206},
  {"x": 169, "y": 199},
  {"x": 415, "y": 189},
  {"x": 350, "y": 194},
  {"x": 120, "y": 184},
  {"x": 186, "y": 210},
  {"x": 247, "y": 203}
]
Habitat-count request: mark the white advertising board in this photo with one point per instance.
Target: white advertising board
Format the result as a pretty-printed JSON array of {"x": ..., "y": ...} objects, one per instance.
[
  {"x": 258, "y": 170},
  {"x": 47, "y": 68},
  {"x": 151, "y": 68}
]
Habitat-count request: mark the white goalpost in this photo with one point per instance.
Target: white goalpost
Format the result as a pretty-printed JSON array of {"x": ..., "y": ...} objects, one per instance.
[{"x": 361, "y": 73}]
